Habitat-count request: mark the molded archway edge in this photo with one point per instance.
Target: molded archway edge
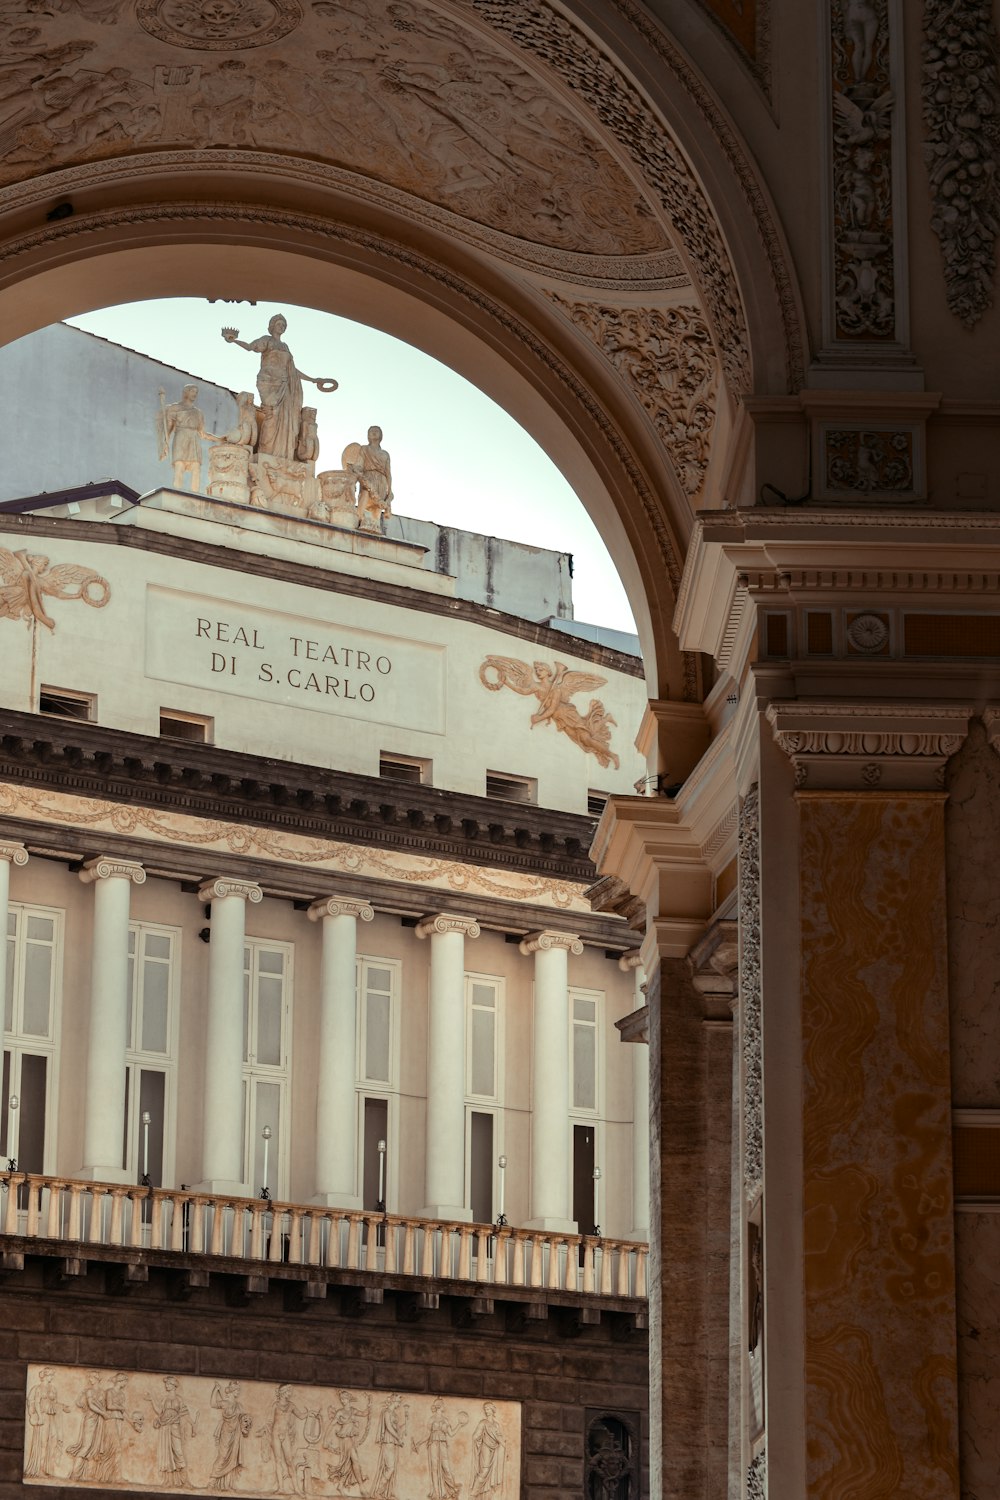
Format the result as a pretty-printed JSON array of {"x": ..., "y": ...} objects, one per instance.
[{"x": 455, "y": 312}]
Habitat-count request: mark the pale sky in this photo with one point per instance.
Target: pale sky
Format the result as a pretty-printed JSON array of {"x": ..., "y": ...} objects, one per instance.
[{"x": 457, "y": 457}]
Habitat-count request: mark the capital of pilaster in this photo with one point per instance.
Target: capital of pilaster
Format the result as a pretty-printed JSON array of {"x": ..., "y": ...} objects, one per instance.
[
  {"x": 218, "y": 890},
  {"x": 340, "y": 906},
  {"x": 991, "y": 721},
  {"x": 545, "y": 941},
  {"x": 446, "y": 921},
  {"x": 14, "y": 854},
  {"x": 866, "y": 746},
  {"x": 108, "y": 867}
]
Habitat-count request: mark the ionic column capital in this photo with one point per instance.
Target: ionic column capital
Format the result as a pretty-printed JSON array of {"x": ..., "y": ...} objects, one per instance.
[
  {"x": 865, "y": 746},
  {"x": 109, "y": 867},
  {"x": 545, "y": 941},
  {"x": 218, "y": 890},
  {"x": 446, "y": 921},
  {"x": 340, "y": 906},
  {"x": 628, "y": 961},
  {"x": 14, "y": 854}
]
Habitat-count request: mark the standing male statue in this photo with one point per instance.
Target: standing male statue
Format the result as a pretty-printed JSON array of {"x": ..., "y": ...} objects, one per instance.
[
  {"x": 181, "y": 430},
  {"x": 280, "y": 386}
]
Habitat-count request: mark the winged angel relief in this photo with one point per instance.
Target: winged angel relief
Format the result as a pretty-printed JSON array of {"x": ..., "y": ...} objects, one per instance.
[
  {"x": 554, "y": 687},
  {"x": 26, "y": 579}
]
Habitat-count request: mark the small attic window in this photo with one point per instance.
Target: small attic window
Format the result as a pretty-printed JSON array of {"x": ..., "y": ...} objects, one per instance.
[
  {"x": 511, "y": 788},
  {"x": 597, "y": 802},
  {"x": 175, "y": 725},
  {"x": 63, "y": 703},
  {"x": 409, "y": 768}
]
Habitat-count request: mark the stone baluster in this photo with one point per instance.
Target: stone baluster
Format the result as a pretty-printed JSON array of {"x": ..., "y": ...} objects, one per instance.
[
  {"x": 550, "y": 1134},
  {"x": 221, "y": 1159},
  {"x": 336, "y": 1108},
  {"x": 445, "y": 1141},
  {"x": 104, "y": 1108}
]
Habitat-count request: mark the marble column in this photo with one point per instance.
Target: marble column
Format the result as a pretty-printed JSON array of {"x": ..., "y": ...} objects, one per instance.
[
  {"x": 550, "y": 1133},
  {"x": 444, "y": 1178},
  {"x": 336, "y": 1098},
  {"x": 632, "y": 963},
  {"x": 222, "y": 1129},
  {"x": 10, "y": 854},
  {"x": 104, "y": 1104}
]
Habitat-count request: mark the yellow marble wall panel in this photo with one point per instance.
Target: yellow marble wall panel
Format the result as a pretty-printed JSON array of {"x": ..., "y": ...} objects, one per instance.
[{"x": 878, "y": 1247}]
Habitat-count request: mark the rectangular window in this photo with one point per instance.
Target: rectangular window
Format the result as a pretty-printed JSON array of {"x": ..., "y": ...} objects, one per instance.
[
  {"x": 378, "y": 981},
  {"x": 267, "y": 994},
  {"x": 375, "y": 1126},
  {"x": 30, "y": 1029},
  {"x": 151, "y": 1050},
  {"x": 585, "y": 1011},
  {"x": 64, "y": 703},
  {"x": 511, "y": 788},
  {"x": 175, "y": 725},
  {"x": 482, "y": 1008},
  {"x": 409, "y": 768}
]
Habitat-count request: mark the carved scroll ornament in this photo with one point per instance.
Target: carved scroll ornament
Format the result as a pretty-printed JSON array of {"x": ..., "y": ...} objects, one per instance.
[
  {"x": 26, "y": 579},
  {"x": 554, "y": 687}
]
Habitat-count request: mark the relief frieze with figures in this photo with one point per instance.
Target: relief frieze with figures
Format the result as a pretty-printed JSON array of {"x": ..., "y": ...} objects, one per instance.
[
  {"x": 112, "y": 1430},
  {"x": 399, "y": 93}
]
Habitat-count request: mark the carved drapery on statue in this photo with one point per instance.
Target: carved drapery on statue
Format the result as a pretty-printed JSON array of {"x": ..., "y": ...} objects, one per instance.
[{"x": 554, "y": 687}]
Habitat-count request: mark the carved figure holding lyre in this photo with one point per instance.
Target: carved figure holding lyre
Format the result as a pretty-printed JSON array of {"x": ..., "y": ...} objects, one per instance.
[
  {"x": 280, "y": 385},
  {"x": 181, "y": 430}
]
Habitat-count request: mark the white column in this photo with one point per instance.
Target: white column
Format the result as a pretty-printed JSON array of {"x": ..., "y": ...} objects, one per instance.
[
  {"x": 640, "y": 1109},
  {"x": 222, "y": 1130},
  {"x": 104, "y": 1103},
  {"x": 444, "y": 1176},
  {"x": 550, "y": 1131},
  {"x": 10, "y": 854},
  {"x": 336, "y": 1098}
]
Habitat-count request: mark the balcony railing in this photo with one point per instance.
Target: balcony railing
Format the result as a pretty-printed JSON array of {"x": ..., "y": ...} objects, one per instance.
[{"x": 259, "y": 1232}]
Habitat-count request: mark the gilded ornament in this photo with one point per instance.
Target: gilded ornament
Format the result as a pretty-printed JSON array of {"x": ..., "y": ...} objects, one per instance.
[
  {"x": 554, "y": 687},
  {"x": 27, "y": 579}
]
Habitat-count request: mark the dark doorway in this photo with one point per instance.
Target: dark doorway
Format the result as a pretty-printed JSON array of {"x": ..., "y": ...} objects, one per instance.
[{"x": 584, "y": 1152}]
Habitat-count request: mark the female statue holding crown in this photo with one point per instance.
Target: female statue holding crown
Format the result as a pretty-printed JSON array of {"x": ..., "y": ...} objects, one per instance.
[{"x": 279, "y": 384}]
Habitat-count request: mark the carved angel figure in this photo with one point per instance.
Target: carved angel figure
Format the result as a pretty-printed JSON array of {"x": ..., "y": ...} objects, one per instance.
[
  {"x": 857, "y": 124},
  {"x": 25, "y": 579},
  {"x": 554, "y": 687}
]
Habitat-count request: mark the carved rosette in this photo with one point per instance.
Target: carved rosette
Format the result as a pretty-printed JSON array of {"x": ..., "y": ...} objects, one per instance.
[
  {"x": 221, "y": 889},
  {"x": 218, "y": 25},
  {"x": 750, "y": 1020},
  {"x": 864, "y": 291},
  {"x": 109, "y": 867},
  {"x": 14, "y": 854},
  {"x": 340, "y": 906},
  {"x": 667, "y": 357},
  {"x": 544, "y": 942},
  {"x": 961, "y": 107},
  {"x": 857, "y": 747},
  {"x": 446, "y": 921}
]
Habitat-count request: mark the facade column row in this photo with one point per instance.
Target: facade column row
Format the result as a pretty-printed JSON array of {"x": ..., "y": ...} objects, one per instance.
[
  {"x": 551, "y": 1208},
  {"x": 444, "y": 1178},
  {"x": 336, "y": 1108}
]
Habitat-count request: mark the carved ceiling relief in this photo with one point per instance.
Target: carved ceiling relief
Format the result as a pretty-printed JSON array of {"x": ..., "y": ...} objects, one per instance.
[
  {"x": 667, "y": 358},
  {"x": 961, "y": 103},
  {"x": 398, "y": 92},
  {"x": 864, "y": 289}
]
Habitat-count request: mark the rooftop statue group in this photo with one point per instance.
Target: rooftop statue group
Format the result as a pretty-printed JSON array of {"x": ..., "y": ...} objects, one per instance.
[{"x": 269, "y": 458}]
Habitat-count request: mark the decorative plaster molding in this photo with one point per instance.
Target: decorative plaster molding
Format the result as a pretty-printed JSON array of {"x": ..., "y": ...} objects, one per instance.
[
  {"x": 750, "y": 1018},
  {"x": 107, "y": 867},
  {"x": 746, "y": 25},
  {"x": 667, "y": 357},
  {"x": 991, "y": 721},
  {"x": 879, "y": 460},
  {"x": 856, "y": 747},
  {"x": 446, "y": 921},
  {"x": 15, "y": 854},
  {"x": 221, "y": 889},
  {"x": 961, "y": 103},
  {"x": 544, "y": 942},
  {"x": 27, "y": 579},
  {"x": 340, "y": 906}
]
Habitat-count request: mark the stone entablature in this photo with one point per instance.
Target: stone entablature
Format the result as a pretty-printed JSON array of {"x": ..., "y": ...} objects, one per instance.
[{"x": 857, "y": 746}]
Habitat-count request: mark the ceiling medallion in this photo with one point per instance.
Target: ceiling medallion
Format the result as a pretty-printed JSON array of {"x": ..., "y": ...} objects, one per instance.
[{"x": 218, "y": 25}]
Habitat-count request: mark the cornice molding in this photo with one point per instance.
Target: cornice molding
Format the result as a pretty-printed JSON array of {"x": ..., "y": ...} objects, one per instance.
[
  {"x": 869, "y": 746},
  {"x": 340, "y": 906},
  {"x": 445, "y": 922},
  {"x": 110, "y": 867},
  {"x": 549, "y": 941},
  {"x": 222, "y": 888}
]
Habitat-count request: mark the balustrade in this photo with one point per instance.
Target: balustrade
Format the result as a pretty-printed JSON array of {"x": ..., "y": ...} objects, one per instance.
[{"x": 230, "y": 1229}]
